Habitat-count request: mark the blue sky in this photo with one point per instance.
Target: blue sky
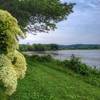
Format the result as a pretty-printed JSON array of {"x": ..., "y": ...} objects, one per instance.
[{"x": 81, "y": 27}]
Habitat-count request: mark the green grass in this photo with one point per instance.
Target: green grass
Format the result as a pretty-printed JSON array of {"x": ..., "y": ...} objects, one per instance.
[{"x": 50, "y": 81}]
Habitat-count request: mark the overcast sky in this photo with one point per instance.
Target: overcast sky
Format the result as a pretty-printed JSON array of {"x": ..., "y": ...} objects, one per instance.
[{"x": 82, "y": 26}]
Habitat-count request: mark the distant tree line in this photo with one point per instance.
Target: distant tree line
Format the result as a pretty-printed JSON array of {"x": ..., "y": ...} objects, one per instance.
[
  {"x": 79, "y": 46},
  {"x": 38, "y": 47},
  {"x": 44, "y": 47}
]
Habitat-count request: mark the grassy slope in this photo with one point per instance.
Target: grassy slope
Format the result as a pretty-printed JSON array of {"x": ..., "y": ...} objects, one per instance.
[{"x": 43, "y": 82}]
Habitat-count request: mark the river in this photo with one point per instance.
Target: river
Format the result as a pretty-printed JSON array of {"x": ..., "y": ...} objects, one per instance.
[{"x": 90, "y": 57}]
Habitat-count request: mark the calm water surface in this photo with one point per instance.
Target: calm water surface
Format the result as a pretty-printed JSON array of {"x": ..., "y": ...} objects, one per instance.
[{"x": 90, "y": 57}]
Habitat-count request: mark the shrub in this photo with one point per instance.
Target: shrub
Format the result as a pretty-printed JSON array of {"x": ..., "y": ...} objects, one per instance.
[
  {"x": 9, "y": 32},
  {"x": 76, "y": 65},
  {"x": 44, "y": 58},
  {"x": 7, "y": 75},
  {"x": 19, "y": 63},
  {"x": 12, "y": 62}
]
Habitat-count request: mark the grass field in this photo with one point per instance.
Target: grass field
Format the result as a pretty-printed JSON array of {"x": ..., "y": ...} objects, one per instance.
[{"x": 45, "y": 81}]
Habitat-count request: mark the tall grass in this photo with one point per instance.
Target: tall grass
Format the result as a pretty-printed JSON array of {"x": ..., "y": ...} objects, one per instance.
[
  {"x": 50, "y": 79},
  {"x": 73, "y": 65}
]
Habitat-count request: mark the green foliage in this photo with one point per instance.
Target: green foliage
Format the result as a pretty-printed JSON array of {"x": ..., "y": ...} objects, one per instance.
[
  {"x": 39, "y": 15},
  {"x": 76, "y": 65},
  {"x": 51, "y": 81},
  {"x": 12, "y": 63},
  {"x": 80, "y": 46},
  {"x": 9, "y": 32},
  {"x": 19, "y": 63},
  {"x": 45, "y": 58},
  {"x": 7, "y": 75},
  {"x": 38, "y": 47}
]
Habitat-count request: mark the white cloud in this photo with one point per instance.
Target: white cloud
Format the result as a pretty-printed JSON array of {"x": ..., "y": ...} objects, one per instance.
[{"x": 81, "y": 27}]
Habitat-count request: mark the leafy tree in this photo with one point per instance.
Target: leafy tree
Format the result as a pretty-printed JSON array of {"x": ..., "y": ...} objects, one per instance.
[
  {"x": 37, "y": 15},
  {"x": 54, "y": 47},
  {"x": 12, "y": 62},
  {"x": 33, "y": 15}
]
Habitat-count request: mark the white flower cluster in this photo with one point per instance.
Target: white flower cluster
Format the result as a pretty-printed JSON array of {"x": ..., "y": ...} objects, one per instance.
[
  {"x": 7, "y": 75},
  {"x": 12, "y": 62},
  {"x": 9, "y": 32},
  {"x": 11, "y": 71},
  {"x": 20, "y": 64}
]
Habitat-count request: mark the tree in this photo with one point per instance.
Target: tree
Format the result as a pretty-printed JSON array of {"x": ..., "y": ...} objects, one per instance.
[
  {"x": 37, "y": 15},
  {"x": 33, "y": 15},
  {"x": 12, "y": 62}
]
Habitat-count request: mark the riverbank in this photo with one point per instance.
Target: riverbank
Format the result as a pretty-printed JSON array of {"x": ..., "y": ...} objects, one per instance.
[
  {"x": 90, "y": 57},
  {"x": 49, "y": 79}
]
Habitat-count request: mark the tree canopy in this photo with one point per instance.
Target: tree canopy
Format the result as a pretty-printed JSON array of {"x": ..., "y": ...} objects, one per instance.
[
  {"x": 34, "y": 15},
  {"x": 38, "y": 47},
  {"x": 37, "y": 15},
  {"x": 9, "y": 32}
]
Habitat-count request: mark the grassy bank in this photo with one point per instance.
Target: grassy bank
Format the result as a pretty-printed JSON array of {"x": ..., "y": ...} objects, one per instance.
[{"x": 49, "y": 79}]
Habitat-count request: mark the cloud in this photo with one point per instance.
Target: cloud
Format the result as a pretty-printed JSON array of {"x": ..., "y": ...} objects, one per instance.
[{"x": 82, "y": 26}]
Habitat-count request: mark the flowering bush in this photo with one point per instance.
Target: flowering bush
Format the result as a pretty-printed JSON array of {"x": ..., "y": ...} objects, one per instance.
[
  {"x": 12, "y": 62},
  {"x": 19, "y": 64},
  {"x": 7, "y": 75}
]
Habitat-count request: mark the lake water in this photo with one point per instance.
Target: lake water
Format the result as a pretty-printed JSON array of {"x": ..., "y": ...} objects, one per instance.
[{"x": 90, "y": 57}]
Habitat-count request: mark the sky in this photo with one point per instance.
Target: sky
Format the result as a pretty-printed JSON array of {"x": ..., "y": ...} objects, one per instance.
[{"x": 81, "y": 27}]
